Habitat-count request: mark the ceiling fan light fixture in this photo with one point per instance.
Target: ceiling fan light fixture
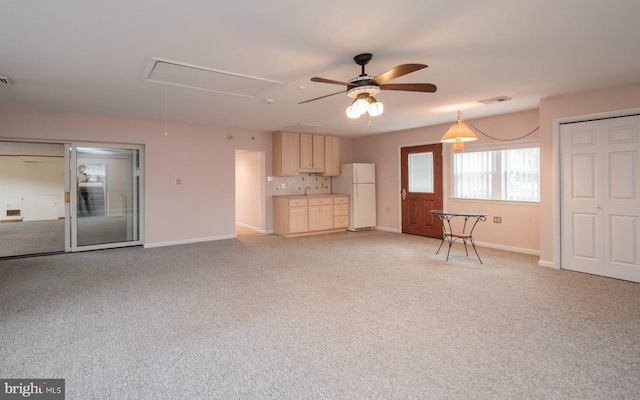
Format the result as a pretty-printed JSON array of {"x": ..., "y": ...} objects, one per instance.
[
  {"x": 371, "y": 90},
  {"x": 375, "y": 107},
  {"x": 351, "y": 111},
  {"x": 361, "y": 105}
]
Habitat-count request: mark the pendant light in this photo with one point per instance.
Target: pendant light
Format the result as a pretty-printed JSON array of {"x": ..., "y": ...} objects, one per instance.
[{"x": 458, "y": 134}]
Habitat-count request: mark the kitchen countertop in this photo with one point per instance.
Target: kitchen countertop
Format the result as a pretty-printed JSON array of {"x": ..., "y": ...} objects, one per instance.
[{"x": 308, "y": 196}]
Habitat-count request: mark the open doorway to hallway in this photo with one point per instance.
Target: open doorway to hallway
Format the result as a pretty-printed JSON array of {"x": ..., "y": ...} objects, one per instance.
[{"x": 249, "y": 192}]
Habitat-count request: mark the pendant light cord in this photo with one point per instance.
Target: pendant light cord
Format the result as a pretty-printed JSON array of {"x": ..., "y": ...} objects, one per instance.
[{"x": 495, "y": 138}]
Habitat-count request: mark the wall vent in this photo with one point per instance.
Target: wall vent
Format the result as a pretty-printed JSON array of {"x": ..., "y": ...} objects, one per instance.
[
  {"x": 4, "y": 80},
  {"x": 499, "y": 99},
  {"x": 13, "y": 213}
]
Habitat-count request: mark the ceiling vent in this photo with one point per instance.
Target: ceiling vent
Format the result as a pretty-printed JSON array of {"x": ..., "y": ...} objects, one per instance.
[
  {"x": 499, "y": 99},
  {"x": 4, "y": 80},
  {"x": 212, "y": 80}
]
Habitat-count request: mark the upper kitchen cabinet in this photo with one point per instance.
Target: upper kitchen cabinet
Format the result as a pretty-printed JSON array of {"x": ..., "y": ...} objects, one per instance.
[
  {"x": 286, "y": 153},
  {"x": 295, "y": 152},
  {"x": 331, "y": 156},
  {"x": 311, "y": 153}
]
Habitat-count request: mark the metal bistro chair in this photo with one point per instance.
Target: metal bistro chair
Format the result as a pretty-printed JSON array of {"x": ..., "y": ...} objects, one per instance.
[{"x": 451, "y": 236}]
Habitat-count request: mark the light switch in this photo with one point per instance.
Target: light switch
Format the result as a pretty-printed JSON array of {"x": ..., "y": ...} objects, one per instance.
[{"x": 178, "y": 181}]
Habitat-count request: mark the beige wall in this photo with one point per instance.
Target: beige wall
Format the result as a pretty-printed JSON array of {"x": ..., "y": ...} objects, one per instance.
[
  {"x": 570, "y": 107},
  {"x": 201, "y": 208},
  {"x": 519, "y": 230}
]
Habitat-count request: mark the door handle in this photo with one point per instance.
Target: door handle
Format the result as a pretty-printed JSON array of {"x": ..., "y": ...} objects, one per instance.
[{"x": 404, "y": 194}]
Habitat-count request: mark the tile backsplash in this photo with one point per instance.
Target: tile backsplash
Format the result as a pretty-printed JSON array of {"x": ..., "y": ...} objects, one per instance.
[{"x": 294, "y": 185}]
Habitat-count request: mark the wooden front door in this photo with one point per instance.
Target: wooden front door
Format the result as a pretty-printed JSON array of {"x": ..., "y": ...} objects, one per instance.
[{"x": 421, "y": 191}]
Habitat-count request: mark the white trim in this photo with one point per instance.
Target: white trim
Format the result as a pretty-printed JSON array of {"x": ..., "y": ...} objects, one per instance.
[
  {"x": 384, "y": 228},
  {"x": 509, "y": 248},
  {"x": 188, "y": 241},
  {"x": 547, "y": 264}
]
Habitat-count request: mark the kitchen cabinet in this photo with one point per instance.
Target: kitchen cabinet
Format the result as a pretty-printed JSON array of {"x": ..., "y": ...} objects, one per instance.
[
  {"x": 311, "y": 153},
  {"x": 295, "y": 152},
  {"x": 310, "y": 215},
  {"x": 320, "y": 214},
  {"x": 331, "y": 156},
  {"x": 298, "y": 219},
  {"x": 340, "y": 212},
  {"x": 286, "y": 153},
  {"x": 290, "y": 215}
]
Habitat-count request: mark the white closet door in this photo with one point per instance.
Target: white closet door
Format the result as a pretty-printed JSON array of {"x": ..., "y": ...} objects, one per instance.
[
  {"x": 600, "y": 197},
  {"x": 582, "y": 226},
  {"x": 622, "y": 198}
]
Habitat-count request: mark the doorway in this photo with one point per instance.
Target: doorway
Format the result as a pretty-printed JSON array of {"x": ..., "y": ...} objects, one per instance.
[
  {"x": 600, "y": 197},
  {"x": 421, "y": 189},
  {"x": 70, "y": 197},
  {"x": 32, "y": 194},
  {"x": 249, "y": 192}
]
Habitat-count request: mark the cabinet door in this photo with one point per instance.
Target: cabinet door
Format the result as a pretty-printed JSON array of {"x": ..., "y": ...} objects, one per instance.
[
  {"x": 331, "y": 156},
  {"x": 320, "y": 218},
  {"x": 318, "y": 153},
  {"x": 290, "y": 153},
  {"x": 311, "y": 153},
  {"x": 286, "y": 153},
  {"x": 298, "y": 221},
  {"x": 306, "y": 152}
]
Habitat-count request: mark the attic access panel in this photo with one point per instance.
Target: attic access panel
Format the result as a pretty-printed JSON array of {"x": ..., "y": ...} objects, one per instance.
[{"x": 212, "y": 80}]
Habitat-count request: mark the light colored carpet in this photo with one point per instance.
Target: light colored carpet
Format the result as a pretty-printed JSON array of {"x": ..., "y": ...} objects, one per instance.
[
  {"x": 366, "y": 315},
  {"x": 31, "y": 237}
]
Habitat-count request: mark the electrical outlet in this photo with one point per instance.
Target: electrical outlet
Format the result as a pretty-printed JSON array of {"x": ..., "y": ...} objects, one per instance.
[
  {"x": 178, "y": 181},
  {"x": 497, "y": 220},
  {"x": 283, "y": 185}
]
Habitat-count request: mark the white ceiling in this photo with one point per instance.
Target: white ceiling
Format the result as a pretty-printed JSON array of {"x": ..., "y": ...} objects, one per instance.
[{"x": 90, "y": 57}]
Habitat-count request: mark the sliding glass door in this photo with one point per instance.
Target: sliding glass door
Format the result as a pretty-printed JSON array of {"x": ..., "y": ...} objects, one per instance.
[{"x": 105, "y": 186}]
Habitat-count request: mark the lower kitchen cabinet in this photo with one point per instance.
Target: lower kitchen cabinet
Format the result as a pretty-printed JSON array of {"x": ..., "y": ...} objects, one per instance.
[
  {"x": 309, "y": 215},
  {"x": 320, "y": 214}
]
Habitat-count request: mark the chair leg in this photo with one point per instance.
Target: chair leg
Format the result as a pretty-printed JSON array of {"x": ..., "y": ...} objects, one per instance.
[
  {"x": 449, "y": 250},
  {"x": 440, "y": 246},
  {"x": 476, "y": 250},
  {"x": 465, "y": 246}
]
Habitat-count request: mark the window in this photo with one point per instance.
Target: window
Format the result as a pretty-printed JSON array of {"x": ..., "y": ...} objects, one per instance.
[
  {"x": 421, "y": 172},
  {"x": 507, "y": 174}
]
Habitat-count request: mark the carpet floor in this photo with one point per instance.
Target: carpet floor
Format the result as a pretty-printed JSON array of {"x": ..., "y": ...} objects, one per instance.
[{"x": 353, "y": 315}]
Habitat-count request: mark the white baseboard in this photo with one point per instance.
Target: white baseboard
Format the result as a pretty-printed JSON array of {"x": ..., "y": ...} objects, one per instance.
[
  {"x": 384, "y": 228},
  {"x": 187, "y": 241},
  {"x": 509, "y": 248},
  {"x": 547, "y": 264}
]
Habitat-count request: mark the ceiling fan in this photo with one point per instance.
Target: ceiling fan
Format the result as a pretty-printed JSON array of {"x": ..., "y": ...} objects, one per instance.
[{"x": 363, "y": 87}]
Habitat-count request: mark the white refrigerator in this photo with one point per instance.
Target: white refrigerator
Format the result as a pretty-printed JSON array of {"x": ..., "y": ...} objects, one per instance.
[{"x": 358, "y": 180}]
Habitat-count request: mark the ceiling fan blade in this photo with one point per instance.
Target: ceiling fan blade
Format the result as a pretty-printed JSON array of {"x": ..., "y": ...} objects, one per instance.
[
  {"x": 410, "y": 87},
  {"x": 322, "y": 97},
  {"x": 323, "y": 80},
  {"x": 397, "y": 72}
]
